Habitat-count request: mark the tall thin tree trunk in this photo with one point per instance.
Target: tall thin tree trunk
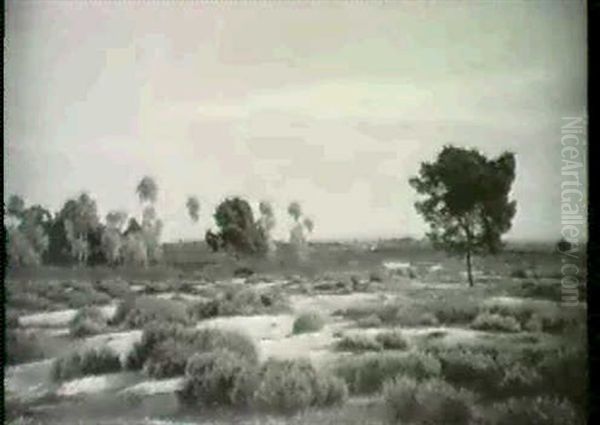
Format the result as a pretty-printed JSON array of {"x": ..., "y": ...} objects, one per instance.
[{"x": 469, "y": 271}]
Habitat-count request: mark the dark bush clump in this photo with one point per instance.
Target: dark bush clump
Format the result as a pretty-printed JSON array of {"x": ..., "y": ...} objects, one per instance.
[
  {"x": 91, "y": 362},
  {"x": 308, "y": 322},
  {"x": 429, "y": 402},
  {"x": 219, "y": 377},
  {"x": 534, "y": 410},
  {"x": 392, "y": 340},
  {"x": 358, "y": 343},
  {"x": 22, "y": 347},
  {"x": 365, "y": 374},
  {"x": 287, "y": 386},
  {"x": 87, "y": 321},
  {"x": 138, "y": 312}
]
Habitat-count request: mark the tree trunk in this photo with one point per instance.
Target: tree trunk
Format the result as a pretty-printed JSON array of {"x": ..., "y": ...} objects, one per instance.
[{"x": 469, "y": 272}]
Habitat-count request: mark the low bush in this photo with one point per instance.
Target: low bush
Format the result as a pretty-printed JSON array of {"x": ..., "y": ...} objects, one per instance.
[
  {"x": 534, "y": 410},
  {"x": 287, "y": 386},
  {"x": 366, "y": 373},
  {"x": 358, "y": 342},
  {"x": 138, "y": 312},
  {"x": 472, "y": 370},
  {"x": 372, "y": 321},
  {"x": 21, "y": 347},
  {"x": 308, "y": 322},
  {"x": 87, "y": 321},
  {"x": 114, "y": 288},
  {"x": 392, "y": 340},
  {"x": 433, "y": 401},
  {"x": 219, "y": 377},
  {"x": 235, "y": 300},
  {"x": 164, "y": 349},
  {"x": 90, "y": 362},
  {"x": 495, "y": 322}
]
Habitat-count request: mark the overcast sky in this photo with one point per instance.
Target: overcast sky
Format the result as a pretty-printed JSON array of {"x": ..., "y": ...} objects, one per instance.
[{"x": 331, "y": 104}]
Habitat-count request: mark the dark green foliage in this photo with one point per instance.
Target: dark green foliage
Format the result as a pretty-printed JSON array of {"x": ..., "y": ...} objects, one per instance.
[
  {"x": 308, "y": 322},
  {"x": 219, "y": 377},
  {"x": 496, "y": 322},
  {"x": 236, "y": 300},
  {"x": 140, "y": 311},
  {"x": 91, "y": 362},
  {"x": 429, "y": 402},
  {"x": 466, "y": 201},
  {"x": 392, "y": 340},
  {"x": 21, "y": 347},
  {"x": 165, "y": 348},
  {"x": 365, "y": 374},
  {"x": 239, "y": 232},
  {"x": 535, "y": 410},
  {"x": 358, "y": 343},
  {"x": 287, "y": 386},
  {"x": 88, "y": 321}
]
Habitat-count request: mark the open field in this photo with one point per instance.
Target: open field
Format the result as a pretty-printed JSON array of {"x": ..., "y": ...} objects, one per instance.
[{"x": 394, "y": 337}]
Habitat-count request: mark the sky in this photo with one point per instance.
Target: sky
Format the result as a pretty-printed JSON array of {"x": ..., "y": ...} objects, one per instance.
[{"x": 332, "y": 104}]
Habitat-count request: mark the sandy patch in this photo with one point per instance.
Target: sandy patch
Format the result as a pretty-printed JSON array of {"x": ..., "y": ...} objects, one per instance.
[
  {"x": 258, "y": 327},
  {"x": 120, "y": 342},
  {"x": 60, "y": 318},
  {"x": 326, "y": 304},
  {"x": 184, "y": 296},
  {"x": 94, "y": 384},
  {"x": 29, "y": 381},
  {"x": 160, "y": 386}
]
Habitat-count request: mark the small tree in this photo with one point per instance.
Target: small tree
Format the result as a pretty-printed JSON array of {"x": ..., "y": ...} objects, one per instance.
[
  {"x": 466, "y": 201},
  {"x": 193, "y": 206},
  {"x": 238, "y": 230}
]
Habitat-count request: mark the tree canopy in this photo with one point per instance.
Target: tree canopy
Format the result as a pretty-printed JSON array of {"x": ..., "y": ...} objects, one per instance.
[{"x": 466, "y": 201}]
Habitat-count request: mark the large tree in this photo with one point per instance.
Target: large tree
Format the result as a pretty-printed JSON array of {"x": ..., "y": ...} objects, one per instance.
[
  {"x": 239, "y": 232},
  {"x": 466, "y": 201}
]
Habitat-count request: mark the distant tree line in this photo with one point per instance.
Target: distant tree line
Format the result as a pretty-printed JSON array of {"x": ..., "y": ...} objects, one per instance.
[{"x": 76, "y": 235}]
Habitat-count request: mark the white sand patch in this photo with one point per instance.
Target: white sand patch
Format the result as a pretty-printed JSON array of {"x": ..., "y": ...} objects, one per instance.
[
  {"x": 119, "y": 342},
  {"x": 136, "y": 288},
  {"x": 257, "y": 327},
  {"x": 29, "y": 381},
  {"x": 185, "y": 297},
  {"x": 60, "y": 318},
  {"x": 159, "y": 386},
  {"x": 328, "y": 303},
  {"x": 94, "y": 384}
]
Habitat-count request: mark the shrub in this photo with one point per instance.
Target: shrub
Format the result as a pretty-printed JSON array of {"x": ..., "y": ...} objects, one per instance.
[
  {"x": 138, "y": 312},
  {"x": 91, "y": 362},
  {"x": 538, "y": 410},
  {"x": 429, "y": 402},
  {"x": 308, "y": 322},
  {"x": 236, "y": 300},
  {"x": 414, "y": 316},
  {"x": 358, "y": 343},
  {"x": 475, "y": 371},
  {"x": 153, "y": 335},
  {"x": 376, "y": 276},
  {"x": 87, "y": 321},
  {"x": 243, "y": 272},
  {"x": 496, "y": 322},
  {"x": 392, "y": 340},
  {"x": 366, "y": 373},
  {"x": 114, "y": 288},
  {"x": 372, "y": 321},
  {"x": 520, "y": 380},
  {"x": 534, "y": 324},
  {"x": 455, "y": 310},
  {"x": 22, "y": 347},
  {"x": 164, "y": 349},
  {"x": 218, "y": 377},
  {"x": 287, "y": 386},
  {"x": 564, "y": 374}
]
